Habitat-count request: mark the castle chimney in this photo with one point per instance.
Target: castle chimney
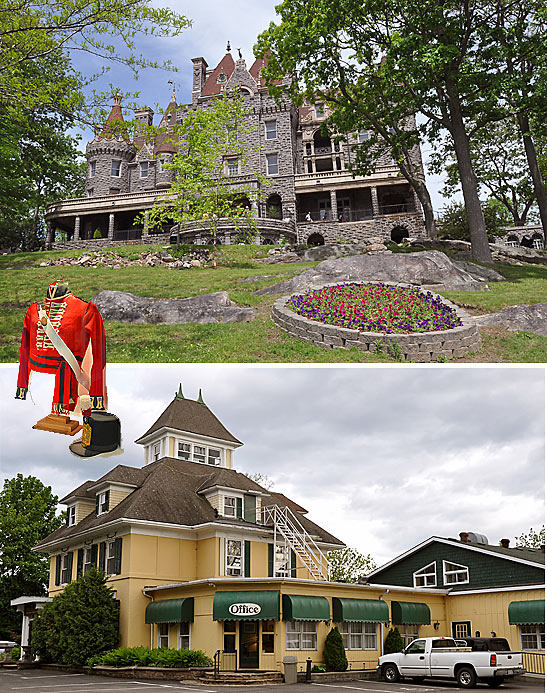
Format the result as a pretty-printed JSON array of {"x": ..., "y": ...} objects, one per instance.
[
  {"x": 200, "y": 75},
  {"x": 505, "y": 543},
  {"x": 464, "y": 537},
  {"x": 543, "y": 548}
]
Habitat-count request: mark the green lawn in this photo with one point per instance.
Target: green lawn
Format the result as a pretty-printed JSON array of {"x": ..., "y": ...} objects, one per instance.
[{"x": 259, "y": 341}]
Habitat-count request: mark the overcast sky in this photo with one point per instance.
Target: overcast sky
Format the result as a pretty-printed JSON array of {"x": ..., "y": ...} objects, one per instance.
[
  {"x": 214, "y": 24},
  {"x": 382, "y": 457}
]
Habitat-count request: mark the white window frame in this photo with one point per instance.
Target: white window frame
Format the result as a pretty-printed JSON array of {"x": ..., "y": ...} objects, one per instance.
[
  {"x": 363, "y": 136},
  {"x": 268, "y": 129},
  {"x": 537, "y": 243},
  {"x": 460, "y": 571},
  {"x": 144, "y": 167},
  {"x": 193, "y": 454},
  {"x": 185, "y": 448},
  {"x": 301, "y": 635},
  {"x": 71, "y": 515},
  {"x": 155, "y": 451},
  {"x": 319, "y": 110},
  {"x": 214, "y": 457},
  {"x": 102, "y": 503},
  {"x": 408, "y": 634},
  {"x": 229, "y": 509},
  {"x": 92, "y": 169},
  {"x": 161, "y": 635},
  {"x": 361, "y": 632},
  {"x": 229, "y": 568},
  {"x": 272, "y": 169},
  {"x": 119, "y": 169},
  {"x": 416, "y": 576},
  {"x": 184, "y": 636},
  {"x": 282, "y": 560},
  {"x": 537, "y": 631},
  {"x": 64, "y": 569},
  {"x": 164, "y": 160},
  {"x": 198, "y": 452},
  {"x": 109, "y": 557},
  {"x": 87, "y": 564},
  {"x": 232, "y": 166}
]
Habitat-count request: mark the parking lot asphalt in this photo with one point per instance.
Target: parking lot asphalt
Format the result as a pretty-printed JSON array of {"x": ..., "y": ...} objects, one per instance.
[{"x": 46, "y": 681}]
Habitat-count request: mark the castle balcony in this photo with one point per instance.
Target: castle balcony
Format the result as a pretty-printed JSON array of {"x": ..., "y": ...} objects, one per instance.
[{"x": 327, "y": 180}]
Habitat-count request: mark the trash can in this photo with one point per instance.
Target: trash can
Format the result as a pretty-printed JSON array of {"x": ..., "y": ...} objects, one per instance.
[{"x": 289, "y": 664}]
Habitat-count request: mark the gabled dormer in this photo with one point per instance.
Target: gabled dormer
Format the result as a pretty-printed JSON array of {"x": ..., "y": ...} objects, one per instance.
[
  {"x": 188, "y": 430},
  {"x": 234, "y": 503},
  {"x": 108, "y": 494},
  {"x": 79, "y": 504}
]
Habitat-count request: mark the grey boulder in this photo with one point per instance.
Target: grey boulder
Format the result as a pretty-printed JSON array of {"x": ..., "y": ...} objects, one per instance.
[
  {"x": 203, "y": 309},
  {"x": 521, "y": 317},
  {"x": 430, "y": 268}
]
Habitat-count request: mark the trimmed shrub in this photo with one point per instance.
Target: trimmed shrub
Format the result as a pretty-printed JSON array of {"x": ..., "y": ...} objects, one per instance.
[
  {"x": 158, "y": 657},
  {"x": 394, "y": 642},
  {"x": 334, "y": 653},
  {"x": 77, "y": 624},
  {"x": 97, "y": 233}
]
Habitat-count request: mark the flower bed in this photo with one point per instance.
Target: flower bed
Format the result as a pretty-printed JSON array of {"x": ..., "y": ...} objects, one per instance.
[
  {"x": 376, "y": 308},
  {"x": 413, "y": 342}
]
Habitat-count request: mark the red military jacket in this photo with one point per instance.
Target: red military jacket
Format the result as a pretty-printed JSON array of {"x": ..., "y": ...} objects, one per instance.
[{"x": 80, "y": 326}]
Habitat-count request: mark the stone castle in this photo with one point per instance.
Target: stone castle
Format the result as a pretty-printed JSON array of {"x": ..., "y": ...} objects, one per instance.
[{"x": 312, "y": 197}]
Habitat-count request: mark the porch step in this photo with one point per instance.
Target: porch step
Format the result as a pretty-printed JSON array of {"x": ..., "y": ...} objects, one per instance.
[{"x": 242, "y": 678}]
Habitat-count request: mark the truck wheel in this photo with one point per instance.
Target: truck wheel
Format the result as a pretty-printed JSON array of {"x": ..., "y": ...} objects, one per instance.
[
  {"x": 391, "y": 673},
  {"x": 466, "y": 677},
  {"x": 495, "y": 682}
]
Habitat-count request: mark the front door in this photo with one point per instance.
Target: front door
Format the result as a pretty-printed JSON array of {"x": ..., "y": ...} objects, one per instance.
[
  {"x": 248, "y": 644},
  {"x": 461, "y": 629},
  {"x": 413, "y": 660}
]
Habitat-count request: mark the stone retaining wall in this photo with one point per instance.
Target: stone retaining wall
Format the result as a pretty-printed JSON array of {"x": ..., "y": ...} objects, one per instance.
[
  {"x": 417, "y": 347},
  {"x": 358, "y": 231},
  {"x": 157, "y": 673},
  {"x": 101, "y": 243}
]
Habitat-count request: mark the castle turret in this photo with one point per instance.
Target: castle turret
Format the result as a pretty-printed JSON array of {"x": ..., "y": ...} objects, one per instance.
[{"x": 108, "y": 156}]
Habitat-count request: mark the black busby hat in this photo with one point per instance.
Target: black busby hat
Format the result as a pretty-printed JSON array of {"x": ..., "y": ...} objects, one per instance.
[{"x": 101, "y": 433}]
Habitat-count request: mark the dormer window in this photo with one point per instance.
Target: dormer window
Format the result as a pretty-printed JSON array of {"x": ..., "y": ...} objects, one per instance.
[
  {"x": 221, "y": 78},
  {"x": 156, "y": 452},
  {"x": 71, "y": 516},
  {"x": 233, "y": 506},
  {"x": 426, "y": 576},
  {"x": 213, "y": 456},
  {"x": 102, "y": 502},
  {"x": 184, "y": 451},
  {"x": 199, "y": 453}
]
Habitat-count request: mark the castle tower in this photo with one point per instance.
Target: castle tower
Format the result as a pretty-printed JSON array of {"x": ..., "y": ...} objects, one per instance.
[
  {"x": 188, "y": 430},
  {"x": 108, "y": 156}
]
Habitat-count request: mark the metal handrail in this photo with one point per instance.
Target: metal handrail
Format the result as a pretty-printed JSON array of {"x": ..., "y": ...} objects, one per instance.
[
  {"x": 533, "y": 662},
  {"x": 217, "y": 668}
]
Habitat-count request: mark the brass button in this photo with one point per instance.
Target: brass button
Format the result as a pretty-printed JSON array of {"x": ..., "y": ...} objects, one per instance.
[{"x": 43, "y": 320}]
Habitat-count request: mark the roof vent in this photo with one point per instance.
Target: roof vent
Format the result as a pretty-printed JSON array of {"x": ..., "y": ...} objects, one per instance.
[
  {"x": 504, "y": 543},
  {"x": 475, "y": 538}
]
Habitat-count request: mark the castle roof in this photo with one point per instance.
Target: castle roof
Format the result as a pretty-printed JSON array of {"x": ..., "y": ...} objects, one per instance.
[
  {"x": 192, "y": 417},
  {"x": 226, "y": 66},
  {"x": 110, "y": 130},
  {"x": 164, "y": 141}
]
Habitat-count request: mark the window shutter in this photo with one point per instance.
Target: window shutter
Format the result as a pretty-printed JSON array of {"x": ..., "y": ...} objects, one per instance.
[
  {"x": 80, "y": 563},
  {"x": 67, "y": 516},
  {"x": 293, "y": 564},
  {"x": 69, "y": 565},
  {"x": 247, "y": 558},
  {"x": 117, "y": 556},
  {"x": 94, "y": 555},
  {"x": 97, "y": 505},
  {"x": 107, "y": 500},
  {"x": 58, "y": 570},
  {"x": 270, "y": 560},
  {"x": 102, "y": 555},
  {"x": 239, "y": 507},
  {"x": 249, "y": 508}
]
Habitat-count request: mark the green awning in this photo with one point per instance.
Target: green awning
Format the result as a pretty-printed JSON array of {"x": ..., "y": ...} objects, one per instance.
[
  {"x": 299, "y": 608},
  {"x": 246, "y": 606},
  {"x": 527, "y": 613},
  {"x": 170, "y": 611},
  {"x": 361, "y": 610},
  {"x": 410, "y": 613}
]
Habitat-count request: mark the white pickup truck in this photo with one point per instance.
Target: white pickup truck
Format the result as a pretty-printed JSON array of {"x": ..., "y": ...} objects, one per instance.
[{"x": 448, "y": 658}]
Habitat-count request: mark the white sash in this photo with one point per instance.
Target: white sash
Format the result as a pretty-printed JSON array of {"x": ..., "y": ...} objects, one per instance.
[{"x": 62, "y": 349}]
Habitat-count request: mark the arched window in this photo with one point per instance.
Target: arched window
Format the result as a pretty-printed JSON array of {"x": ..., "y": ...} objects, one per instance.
[
  {"x": 316, "y": 239},
  {"x": 274, "y": 208}
]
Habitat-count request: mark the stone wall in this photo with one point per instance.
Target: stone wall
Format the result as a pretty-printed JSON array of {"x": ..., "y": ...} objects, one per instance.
[
  {"x": 357, "y": 231},
  {"x": 417, "y": 347},
  {"x": 101, "y": 243}
]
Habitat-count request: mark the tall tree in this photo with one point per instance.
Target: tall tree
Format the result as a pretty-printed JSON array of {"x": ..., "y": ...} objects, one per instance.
[
  {"x": 213, "y": 146},
  {"x": 27, "y": 515},
  {"x": 535, "y": 538},
  {"x": 424, "y": 51},
  {"x": 33, "y": 29},
  {"x": 348, "y": 565}
]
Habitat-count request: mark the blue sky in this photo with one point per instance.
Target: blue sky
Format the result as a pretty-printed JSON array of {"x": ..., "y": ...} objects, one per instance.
[{"x": 214, "y": 24}]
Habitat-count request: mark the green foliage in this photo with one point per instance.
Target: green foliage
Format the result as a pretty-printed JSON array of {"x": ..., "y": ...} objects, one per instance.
[
  {"x": 318, "y": 669},
  {"x": 334, "y": 653},
  {"x": 535, "y": 539},
  {"x": 452, "y": 222},
  {"x": 97, "y": 233},
  {"x": 15, "y": 653},
  {"x": 27, "y": 515},
  {"x": 203, "y": 190},
  {"x": 79, "y": 623},
  {"x": 394, "y": 642},
  {"x": 158, "y": 657},
  {"x": 348, "y": 565}
]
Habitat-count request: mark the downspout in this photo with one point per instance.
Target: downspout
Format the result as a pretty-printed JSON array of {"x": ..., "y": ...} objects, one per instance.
[
  {"x": 151, "y": 597},
  {"x": 380, "y": 598}
]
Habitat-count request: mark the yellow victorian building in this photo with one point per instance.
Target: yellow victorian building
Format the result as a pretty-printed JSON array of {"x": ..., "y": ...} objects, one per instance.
[{"x": 202, "y": 556}]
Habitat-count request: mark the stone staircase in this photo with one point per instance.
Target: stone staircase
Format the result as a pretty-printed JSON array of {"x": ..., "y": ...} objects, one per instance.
[{"x": 250, "y": 677}]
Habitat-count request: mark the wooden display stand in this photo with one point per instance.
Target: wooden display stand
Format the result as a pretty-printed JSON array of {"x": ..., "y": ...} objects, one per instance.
[{"x": 57, "y": 423}]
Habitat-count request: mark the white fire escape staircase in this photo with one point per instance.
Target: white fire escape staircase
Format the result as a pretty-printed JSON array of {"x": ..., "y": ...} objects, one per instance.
[{"x": 286, "y": 524}]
